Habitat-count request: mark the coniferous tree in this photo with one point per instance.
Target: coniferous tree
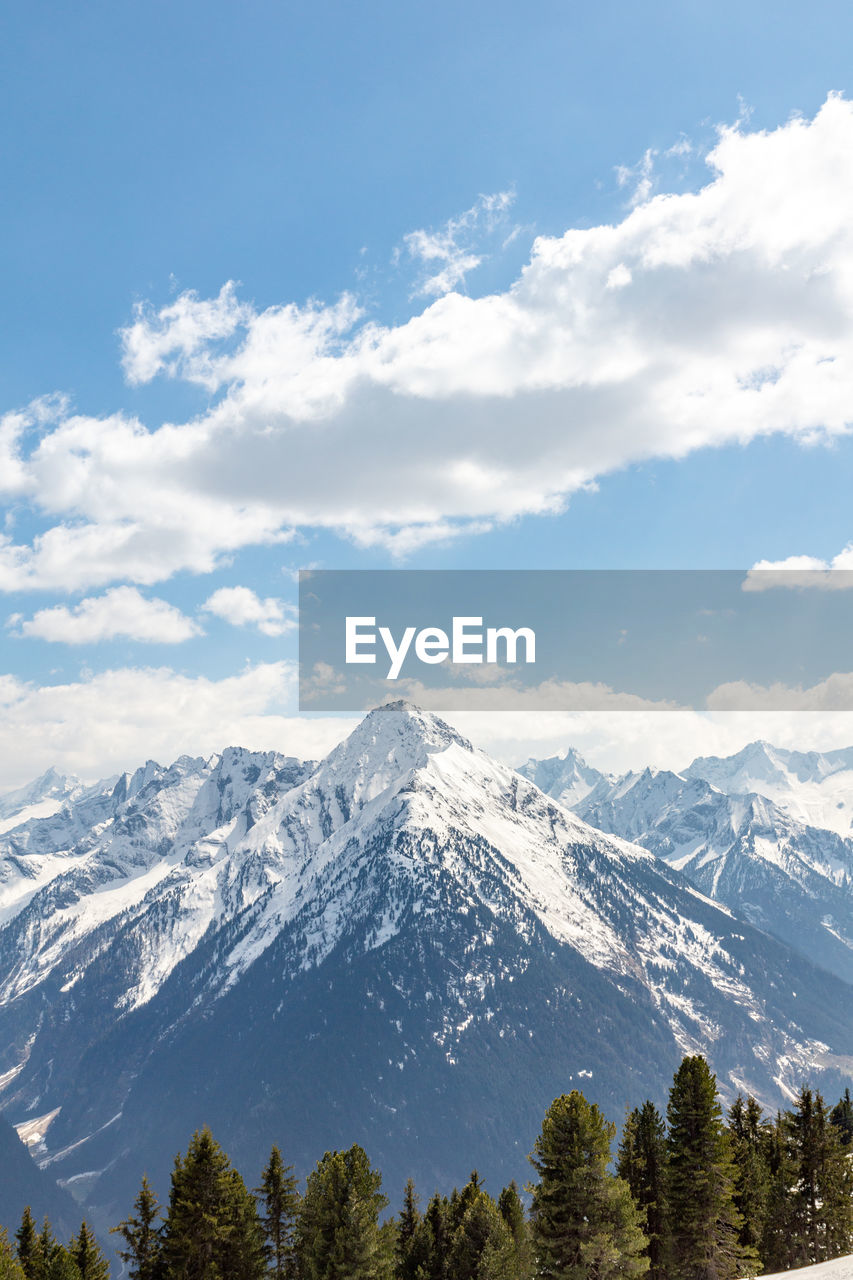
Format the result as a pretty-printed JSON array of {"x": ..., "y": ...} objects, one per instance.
[
  {"x": 280, "y": 1198},
  {"x": 749, "y": 1145},
  {"x": 512, "y": 1211},
  {"x": 409, "y": 1238},
  {"x": 460, "y": 1200},
  {"x": 777, "y": 1238},
  {"x": 337, "y": 1234},
  {"x": 701, "y": 1181},
  {"x": 142, "y": 1235},
  {"x": 61, "y": 1265},
  {"x": 86, "y": 1254},
  {"x": 583, "y": 1222},
  {"x": 642, "y": 1162},
  {"x": 45, "y": 1247},
  {"x": 432, "y": 1240},
  {"x": 842, "y": 1117},
  {"x": 26, "y": 1238},
  {"x": 483, "y": 1247},
  {"x": 11, "y": 1267},
  {"x": 823, "y": 1209},
  {"x": 212, "y": 1230},
  {"x": 244, "y": 1252}
]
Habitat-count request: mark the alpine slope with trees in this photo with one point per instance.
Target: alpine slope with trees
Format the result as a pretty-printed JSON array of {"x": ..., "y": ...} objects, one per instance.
[{"x": 697, "y": 1195}]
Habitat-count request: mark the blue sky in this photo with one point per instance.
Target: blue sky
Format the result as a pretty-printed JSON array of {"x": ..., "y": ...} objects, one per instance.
[{"x": 312, "y": 153}]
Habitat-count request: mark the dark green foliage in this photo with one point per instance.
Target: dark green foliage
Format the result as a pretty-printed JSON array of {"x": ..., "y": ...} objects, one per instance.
[
  {"x": 777, "y": 1238},
  {"x": 842, "y": 1117},
  {"x": 822, "y": 1206},
  {"x": 431, "y": 1244},
  {"x": 86, "y": 1253},
  {"x": 512, "y": 1211},
  {"x": 642, "y": 1162},
  {"x": 705, "y": 1222},
  {"x": 212, "y": 1230},
  {"x": 584, "y": 1222},
  {"x": 142, "y": 1235},
  {"x": 26, "y": 1238},
  {"x": 461, "y": 1200},
  {"x": 406, "y": 1255},
  {"x": 750, "y": 1141},
  {"x": 280, "y": 1200},
  {"x": 338, "y": 1236},
  {"x": 482, "y": 1247}
]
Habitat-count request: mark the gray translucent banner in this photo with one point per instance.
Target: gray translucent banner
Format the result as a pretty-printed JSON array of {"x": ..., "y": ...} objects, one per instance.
[{"x": 510, "y": 640}]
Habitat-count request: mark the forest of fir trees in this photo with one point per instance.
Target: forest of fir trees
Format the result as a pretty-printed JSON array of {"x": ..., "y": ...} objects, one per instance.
[{"x": 694, "y": 1195}]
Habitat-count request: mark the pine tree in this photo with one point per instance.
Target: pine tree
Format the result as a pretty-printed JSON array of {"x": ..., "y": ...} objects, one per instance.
[
  {"x": 460, "y": 1200},
  {"x": 777, "y": 1238},
  {"x": 406, "y": 1261},
  {"x": 244, "y": 1251},
  {"x": 142, "y": 1236},
  {"x": 278, "y": 1192},
  {"x": 701, "y": 1181},
  {"x": 642, "y": 1162},
  {"x": 11, "y": 1267},
  {"x": 823, "y": 1210},
  {"x": 584, "y": 1223},
  {"x": 431, "y": 1245},
  {"x": 26, "y": 1238},
  {"x": 87, "y": 1256},
  {"x": 842, "y": 1117},
  {"x": 61, "y": 1265},
  {"x": 338, "y": 1235},
  {"x": 45, "y": 1247},
  {"x": 86, "y": 1253},
  {"x": 512, "y": 1211},
  {"x": 749, "y": 1146},
  {"x": 483, "y": 1247},
  {"x": 212, "y": 1230}
]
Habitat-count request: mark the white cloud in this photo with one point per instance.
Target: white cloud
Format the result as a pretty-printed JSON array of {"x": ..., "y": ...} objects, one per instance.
[
  {"x": 620, "y": 740},
  {"x": 160, "y": 715},
  {"x": 453, "y": 249},
  {"x": 737, "y": 322},
  {"x": 242, "y": 608},
  {"x": 835, "y": 693},
  {"x": 178, "y": 340},
  {"x": 803, "y": 572},
  {"x": 120, "y": 613}
]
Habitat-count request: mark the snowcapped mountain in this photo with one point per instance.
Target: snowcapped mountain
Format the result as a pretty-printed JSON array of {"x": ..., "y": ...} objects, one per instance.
[
  {"x": 567, "y": 777},
  {"x": 794, "y": 880},
  {"x": 42, "y": 798},
  {"x": 408, "y": 945},
  {"x": 814, "y": 788}
]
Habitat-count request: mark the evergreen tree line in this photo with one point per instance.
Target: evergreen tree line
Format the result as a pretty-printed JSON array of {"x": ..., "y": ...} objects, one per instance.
[{"x": 695, "y": 1196}]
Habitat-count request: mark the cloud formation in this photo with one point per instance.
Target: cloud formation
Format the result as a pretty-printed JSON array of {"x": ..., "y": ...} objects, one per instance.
[
  {"x": 699, "y": 319},
  {"x": 243, "y": 608},
  {"x": 163, "y": 714},
  {"x": 804, "y": 572},
  {"x": 121, "y": 613}
]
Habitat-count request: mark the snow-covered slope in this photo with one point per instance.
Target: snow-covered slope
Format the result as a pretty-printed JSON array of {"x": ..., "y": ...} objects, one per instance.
[
  {"x": 744, "y": 851},
  {"x": 814, "y": 788},
  {"x": 48, "y": 795},
  {"x": 567, "y": 777},
  {"x": 837, "y": 1269},
  {"x": 394, "y": 946}
]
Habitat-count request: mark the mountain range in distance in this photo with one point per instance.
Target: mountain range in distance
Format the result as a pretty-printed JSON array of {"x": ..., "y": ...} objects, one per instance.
[{"x": 411, "y": 946}]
